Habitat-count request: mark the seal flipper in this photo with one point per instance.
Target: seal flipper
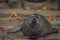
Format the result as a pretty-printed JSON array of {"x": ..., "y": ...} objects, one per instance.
[{"x": 16, "y": 30}]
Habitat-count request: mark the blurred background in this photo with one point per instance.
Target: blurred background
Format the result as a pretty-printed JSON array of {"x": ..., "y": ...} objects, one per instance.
[{"x": 32, "y": 4}]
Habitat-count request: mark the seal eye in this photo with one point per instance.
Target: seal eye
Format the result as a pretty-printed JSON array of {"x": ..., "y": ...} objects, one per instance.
[
  {"x": 37, "y": 17},
  {"x": 31, "y": 16}
]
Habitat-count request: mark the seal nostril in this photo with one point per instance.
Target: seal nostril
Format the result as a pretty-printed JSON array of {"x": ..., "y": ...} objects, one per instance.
[{"x": 34, "y": 21}]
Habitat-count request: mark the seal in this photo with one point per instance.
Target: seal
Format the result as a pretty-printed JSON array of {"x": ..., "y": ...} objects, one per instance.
[{"x": 35, "y": 26}]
